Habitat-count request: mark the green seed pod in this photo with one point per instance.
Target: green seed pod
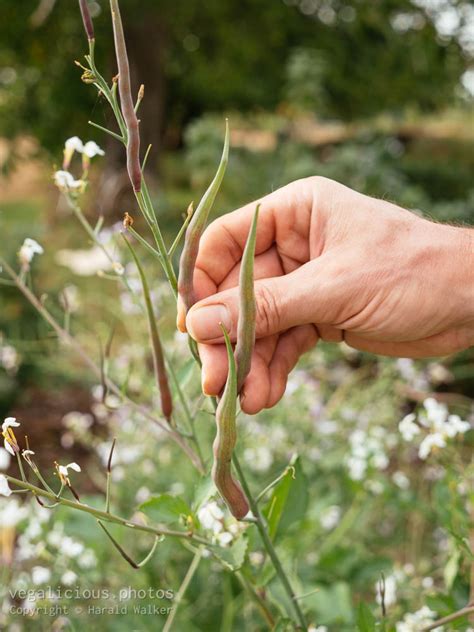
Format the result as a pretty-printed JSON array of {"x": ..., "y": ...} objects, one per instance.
[
  {"x": 224, "y": 443},
  {"x": 246, "y": 325},
  {"x": 156, "y": 347},
  {"x": 196, "y": 228},
  {"x": 126, "y": 100}
]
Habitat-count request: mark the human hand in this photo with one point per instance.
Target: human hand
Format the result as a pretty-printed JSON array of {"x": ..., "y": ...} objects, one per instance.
[{"x": 335, "y": 265}]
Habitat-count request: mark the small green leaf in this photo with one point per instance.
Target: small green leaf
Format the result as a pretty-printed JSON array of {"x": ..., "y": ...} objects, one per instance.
[
  {"x": 233, "y": 556},
  {"x": 165, "y": 508},
  {"x": 365, "y": 619},
  {"x": 288, "y": 501}
]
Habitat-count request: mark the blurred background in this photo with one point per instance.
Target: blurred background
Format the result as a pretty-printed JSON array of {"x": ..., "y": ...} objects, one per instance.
[{"x": 377, "y": 95}]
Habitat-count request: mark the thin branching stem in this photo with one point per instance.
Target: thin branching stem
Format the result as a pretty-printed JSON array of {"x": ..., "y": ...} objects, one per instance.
[
  {"x": 107, "y": 516},
  {"x": 182, "y": 589}
]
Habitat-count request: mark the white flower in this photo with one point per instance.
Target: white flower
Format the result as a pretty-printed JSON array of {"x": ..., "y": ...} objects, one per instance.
[
  {"x": 224, "y": 538},
  {"x": 408, "y": 429},
  {"x": 433, "y": 440},
  {"x": 28, "y": 250},
  {"x": 436, "y": 413},
  {"x": 401, "y": 480},
  {"x": 390, "y": 595},
  {"x": 70, "y": 146},
  {"x": 4, "y": 459},
  {"x": 330, "y": 517},
  {"x": 74, "y": 143},
  {"x": 418, "y": 620},
  {"x": 63, "y": 473},
  {"x": 457, "y": 426},
  {"x": 11, "y": 513},
  {"x": 9, "y": 439},
  {"x": 84, "y": 262},
  {"x": 4, "y": 487},
  {"x": 68, "y": 578},
  {"x": 92, "y": 149},
  {"x": 211, "y": 517},
  {"x": 118, "y": 268},
  {"x": 259, "y": 458},
  {"x": 40, "y": 575},
  {"x": 9, "y": 358},
  {"x": 65, "y": 181}
]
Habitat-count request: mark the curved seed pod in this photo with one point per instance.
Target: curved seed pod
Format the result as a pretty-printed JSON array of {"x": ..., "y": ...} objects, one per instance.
[
  {"x": 246, "y": 326},
  {"x": 126, "y": 100},
  {"x": 224, "y": 443},
  {"x": 86, "y": 19},
  {"x": 157, "y": 350},
  {"x": 196, "y": 228}
]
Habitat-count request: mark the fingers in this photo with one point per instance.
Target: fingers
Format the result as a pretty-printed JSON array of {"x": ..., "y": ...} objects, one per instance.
[
  {"x": 273, "y": 359},
  {"x": 312, "y": 293},
  {"x": 284, "y": 220}
]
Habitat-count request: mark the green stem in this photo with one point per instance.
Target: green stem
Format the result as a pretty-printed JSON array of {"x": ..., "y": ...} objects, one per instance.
[
  {"x": 72, "y": 343},
  {"x": 451, "y": 617},
  {"x": 105, "y": 515},
  {"x": 182, "y": 589},
  {"x": 107, "y": 131},
  {"x": 268, "y": 544}
]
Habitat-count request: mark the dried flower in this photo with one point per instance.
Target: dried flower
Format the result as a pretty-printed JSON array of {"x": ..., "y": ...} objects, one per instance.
[{"x": 127, "y": 220}]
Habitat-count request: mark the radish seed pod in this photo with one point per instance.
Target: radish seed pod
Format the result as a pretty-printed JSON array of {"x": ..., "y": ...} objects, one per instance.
[
  {"x": 86, "y": 19},
  {"x": 126, "y": 100},
  {"x": 225, "y": 440},
  {"x": 196, "y": 228},
  {"x": 156, "y": 347},
  {"x": 247, "y": 307}
]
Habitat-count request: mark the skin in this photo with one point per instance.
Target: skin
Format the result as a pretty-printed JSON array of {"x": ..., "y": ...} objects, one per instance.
[{"x": 335, "y": 265}]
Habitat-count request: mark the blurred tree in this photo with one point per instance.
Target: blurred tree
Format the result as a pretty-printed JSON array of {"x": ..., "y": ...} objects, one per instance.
[{"x": 374, "y": 56}]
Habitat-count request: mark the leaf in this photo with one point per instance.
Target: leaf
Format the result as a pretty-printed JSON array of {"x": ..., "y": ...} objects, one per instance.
[
  {"x": 205, "y": 489},
  {"x": 451, "y": 569},
  {"x": 288, "y": 501},
  {"x": 165, "y": 508},
  {"x": 233, "y": 556},
  {"x": 365, "y": 619}
]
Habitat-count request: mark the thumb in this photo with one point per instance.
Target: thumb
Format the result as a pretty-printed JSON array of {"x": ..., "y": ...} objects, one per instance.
[{"x": 281, "y": 303}]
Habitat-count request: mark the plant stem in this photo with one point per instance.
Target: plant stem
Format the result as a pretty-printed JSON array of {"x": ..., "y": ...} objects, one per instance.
[
  {"x": 451, "y": 617},
  {"x": 82, "y": 353},
  {"x": 268, "y": 544},
  {"x": 105, "y": 515},
  {"x": 267, "y": 615},
  {"x": 182, "y": 589}
]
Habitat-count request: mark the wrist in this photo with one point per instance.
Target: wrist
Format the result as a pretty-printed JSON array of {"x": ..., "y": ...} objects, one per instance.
[{"x": 463, "y": 277}]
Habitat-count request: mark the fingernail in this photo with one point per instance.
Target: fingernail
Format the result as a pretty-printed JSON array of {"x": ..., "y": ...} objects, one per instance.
[{"x": 204, "y": 323}]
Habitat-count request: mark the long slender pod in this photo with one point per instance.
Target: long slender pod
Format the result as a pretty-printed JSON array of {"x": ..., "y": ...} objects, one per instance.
[
  {"x": 196, "y": 228},
  {"x": 86, "y": 19},
  {"x": 157, "y": 350},
  {"x": 126, "y": 100},
  {"x": 225, "y": 440},
  {"x": 246, "y": 325}
]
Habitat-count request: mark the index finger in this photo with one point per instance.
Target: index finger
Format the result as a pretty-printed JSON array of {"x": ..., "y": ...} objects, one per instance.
[{"x": 222, "y": 244}]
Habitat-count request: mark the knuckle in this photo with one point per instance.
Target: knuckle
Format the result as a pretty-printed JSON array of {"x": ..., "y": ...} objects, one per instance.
[{"x": 267, "y": 310}]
